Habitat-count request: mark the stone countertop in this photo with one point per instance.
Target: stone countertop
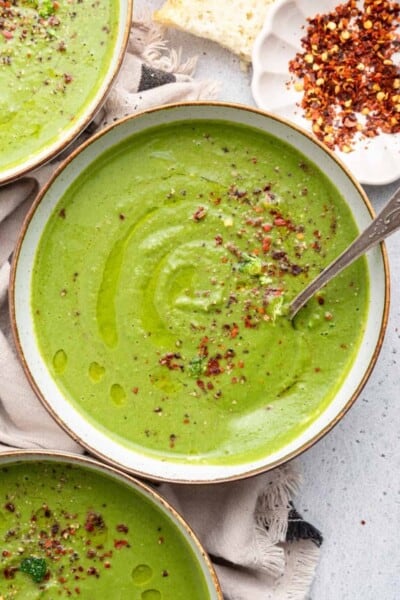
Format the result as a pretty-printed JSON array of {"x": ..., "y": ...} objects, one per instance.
[{"x": 351, "y": 489}]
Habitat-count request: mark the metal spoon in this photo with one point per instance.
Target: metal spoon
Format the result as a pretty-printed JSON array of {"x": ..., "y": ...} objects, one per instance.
[{"x": 384, "y": 224}]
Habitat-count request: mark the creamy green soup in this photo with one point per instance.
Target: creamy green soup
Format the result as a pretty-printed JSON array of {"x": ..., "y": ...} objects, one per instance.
[
  {"x": 69, "y": 532},
  {"x": 160, "y": 285},
  {"x": 54, "y": 55}
]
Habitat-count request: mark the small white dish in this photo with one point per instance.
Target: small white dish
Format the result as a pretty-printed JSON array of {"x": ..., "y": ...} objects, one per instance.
[{"x": 375, "y": 161}]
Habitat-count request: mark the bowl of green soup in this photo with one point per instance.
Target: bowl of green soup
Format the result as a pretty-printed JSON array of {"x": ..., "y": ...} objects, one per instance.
[
  {"x": 150, "y": 288},
  {"x": 71, "y": 527},
  {"x": 58, "y": 60}
]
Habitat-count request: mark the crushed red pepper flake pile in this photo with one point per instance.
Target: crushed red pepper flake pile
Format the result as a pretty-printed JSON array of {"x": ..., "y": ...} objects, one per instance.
[{"x": 348, "y": 72}]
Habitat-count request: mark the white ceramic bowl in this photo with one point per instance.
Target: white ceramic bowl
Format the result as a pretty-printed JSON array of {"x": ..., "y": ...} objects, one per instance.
[
  {"x": 84, "y": 114},
  {"x": 141, "y": 494},
  {"x": 90, "y": 436}
]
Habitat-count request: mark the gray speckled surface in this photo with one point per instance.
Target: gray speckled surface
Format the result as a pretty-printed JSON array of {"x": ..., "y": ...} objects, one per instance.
[{"x": 351, "y": 487}]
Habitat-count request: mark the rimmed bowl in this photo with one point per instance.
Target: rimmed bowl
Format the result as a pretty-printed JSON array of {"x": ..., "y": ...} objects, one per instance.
[
  {"x": 51, "y": 91},
  {"x": 257, "y": 424},
  {"x": 96, "y": 524}
]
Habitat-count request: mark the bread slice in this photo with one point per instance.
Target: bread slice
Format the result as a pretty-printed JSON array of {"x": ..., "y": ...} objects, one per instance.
[{"x": 232, "y": 23}]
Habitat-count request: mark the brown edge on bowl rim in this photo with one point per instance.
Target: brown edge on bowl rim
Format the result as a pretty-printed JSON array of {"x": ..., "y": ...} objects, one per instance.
[
  {"x": 74, "y": 133},
  {"x": 250, "y": 472},
  {"x": 88, "y": 462}
]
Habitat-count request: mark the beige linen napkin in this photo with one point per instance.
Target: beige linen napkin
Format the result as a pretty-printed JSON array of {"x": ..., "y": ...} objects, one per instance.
[{"x": 260, "y": 546}]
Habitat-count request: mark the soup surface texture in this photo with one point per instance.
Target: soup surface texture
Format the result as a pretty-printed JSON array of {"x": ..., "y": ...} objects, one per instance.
[
  {"x": 67, "y": 531},
  {"x": 53, "y": 58},
  {"x": 160, "y": 285}
]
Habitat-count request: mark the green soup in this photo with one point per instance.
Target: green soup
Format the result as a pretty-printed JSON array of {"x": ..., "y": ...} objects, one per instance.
[
  {"x": 160, "y": 285},
  {"x": 54, "y": 55},
  {"x": 68, "y": 531}
]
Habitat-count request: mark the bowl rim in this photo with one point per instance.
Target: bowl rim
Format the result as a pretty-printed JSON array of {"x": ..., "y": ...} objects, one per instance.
[
  {"x": 50, "y": 152},
  {"x": 245, "y": 472},
  {"x": 37, "y": 455}
]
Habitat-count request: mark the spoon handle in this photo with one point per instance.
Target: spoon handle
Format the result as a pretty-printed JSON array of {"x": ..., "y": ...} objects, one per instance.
[{"x": 384, "y": 224}]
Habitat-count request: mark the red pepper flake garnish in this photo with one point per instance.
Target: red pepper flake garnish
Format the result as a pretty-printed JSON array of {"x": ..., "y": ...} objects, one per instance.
[
  {"x": 234, "y": 330},
  {"x": 316, "y": 246},
  {"x": 67, "y": 78},
  {"x": 118, "y": 544},
  {"x": 200, "y": 383},
  {"x": 9, "y": 572},
  {"x": 135, "y": 390},
  {"x": 347, "y": 72},
  {"x": 266, "y": 244},
  {"x": 203, "y": 346},
  {"x": 296, "y": 269},
  {"x": 218, "y": 240},
  {"x": 213, "y": 367},
  {"x": 168, "y": 361},
  {"x": 280, "y": 222},
  {"x": 94, "y": 521},
  {"x": 122, "y": 528},
  {"x": 200, "y": 213},
  {"x": 249, "y": 323},
  {"x": 10, "y": 507}
]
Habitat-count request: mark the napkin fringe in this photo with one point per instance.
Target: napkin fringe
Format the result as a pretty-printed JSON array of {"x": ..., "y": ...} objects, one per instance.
[
  {"x": 303, "y": 569},
  {"x": 271, "y": 515},
  {"x": 274, "y": 503},
  {"x": 270, "y": 558},
  {"x": 150, "y": 44}
]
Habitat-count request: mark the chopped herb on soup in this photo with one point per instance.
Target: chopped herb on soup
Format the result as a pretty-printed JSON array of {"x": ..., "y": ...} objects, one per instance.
[{"x": 174, "y": 336}]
